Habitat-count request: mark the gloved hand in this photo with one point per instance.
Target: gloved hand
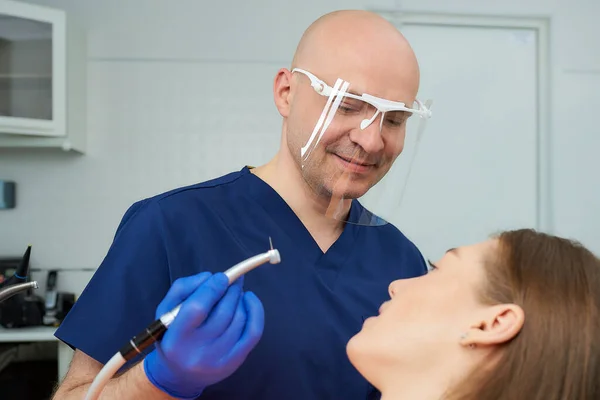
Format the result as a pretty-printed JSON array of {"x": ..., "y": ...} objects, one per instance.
[{"x": 214, "y": 331}]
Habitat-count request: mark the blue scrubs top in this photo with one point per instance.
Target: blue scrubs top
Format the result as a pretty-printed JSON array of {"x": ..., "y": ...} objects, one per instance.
[{"x": 314, "y": 301}]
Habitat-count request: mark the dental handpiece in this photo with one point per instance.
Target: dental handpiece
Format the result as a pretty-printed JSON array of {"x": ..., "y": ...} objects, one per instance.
[
  {"x": 157, "y": 329},
  {"x": 10, "y": 291}
]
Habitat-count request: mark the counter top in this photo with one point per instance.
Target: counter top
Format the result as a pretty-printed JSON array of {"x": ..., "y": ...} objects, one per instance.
[{"x": 28, "y": 334}]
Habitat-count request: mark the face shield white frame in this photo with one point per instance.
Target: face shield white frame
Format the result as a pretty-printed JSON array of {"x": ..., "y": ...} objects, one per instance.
[{"x": 381, "y": 105}]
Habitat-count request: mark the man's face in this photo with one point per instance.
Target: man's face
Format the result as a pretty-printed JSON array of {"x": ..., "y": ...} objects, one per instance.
[{"x": 344, "y": 159}]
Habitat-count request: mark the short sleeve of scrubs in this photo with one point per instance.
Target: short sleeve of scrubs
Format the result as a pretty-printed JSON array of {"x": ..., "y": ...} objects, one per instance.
[{"x": 123, "y": 294}]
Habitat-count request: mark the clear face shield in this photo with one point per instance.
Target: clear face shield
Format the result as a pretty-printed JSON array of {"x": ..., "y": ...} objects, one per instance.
[{"x": 350, "y": 144}]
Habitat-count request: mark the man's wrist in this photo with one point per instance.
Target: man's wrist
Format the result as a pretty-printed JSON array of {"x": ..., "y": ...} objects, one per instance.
[
  {"x": 146, "y": 388},
  {"x": 147, "y": 370}
]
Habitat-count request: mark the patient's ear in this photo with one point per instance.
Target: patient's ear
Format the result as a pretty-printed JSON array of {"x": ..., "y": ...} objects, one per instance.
[{"x": 496, "y": 325}]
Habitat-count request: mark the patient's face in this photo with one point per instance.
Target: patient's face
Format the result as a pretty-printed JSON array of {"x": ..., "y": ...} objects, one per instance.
[{"x": 422, "y": 322}]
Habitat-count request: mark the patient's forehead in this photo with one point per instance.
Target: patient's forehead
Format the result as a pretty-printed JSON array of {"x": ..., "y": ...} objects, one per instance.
[
  {"x": 479, "y": 249},
  {"x": 468, "y": 261}
]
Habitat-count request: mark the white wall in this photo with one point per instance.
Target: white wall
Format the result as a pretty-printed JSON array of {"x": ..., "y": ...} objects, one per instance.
[{"x": 154, "y": 66}]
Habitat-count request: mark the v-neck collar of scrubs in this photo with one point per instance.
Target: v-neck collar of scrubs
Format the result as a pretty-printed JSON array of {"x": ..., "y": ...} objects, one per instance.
[{"x": 284, "y": 217}]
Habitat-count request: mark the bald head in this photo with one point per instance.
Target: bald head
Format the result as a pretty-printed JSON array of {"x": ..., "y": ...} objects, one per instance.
[
  {"x": 359, "y": 46},
  {"x": 371, "y": 57}
]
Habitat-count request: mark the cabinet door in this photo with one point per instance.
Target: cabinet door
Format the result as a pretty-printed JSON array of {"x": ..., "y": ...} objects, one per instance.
[{"x": 32, "y": 68}]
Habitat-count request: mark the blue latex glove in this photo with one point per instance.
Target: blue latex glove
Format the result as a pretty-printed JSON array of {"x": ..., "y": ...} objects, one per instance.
[{"x": 214, "y": 331}]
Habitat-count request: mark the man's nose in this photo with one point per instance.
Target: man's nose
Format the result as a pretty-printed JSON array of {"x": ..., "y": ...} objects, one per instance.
[{"x": 370, "y": 138}]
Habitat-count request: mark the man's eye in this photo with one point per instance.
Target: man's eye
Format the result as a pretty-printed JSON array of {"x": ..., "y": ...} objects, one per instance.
[
  {"x": 396, "y": 118},
  {"x": 394, "y": 122},
  {"x": 347, "y": 108}
]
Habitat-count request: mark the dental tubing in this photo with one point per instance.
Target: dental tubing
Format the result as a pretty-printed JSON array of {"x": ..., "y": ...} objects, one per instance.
[{"x": 157, "y": 329}]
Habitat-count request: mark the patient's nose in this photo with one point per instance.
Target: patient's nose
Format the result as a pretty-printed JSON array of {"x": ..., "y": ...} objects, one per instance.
[{"x": 393, "y": 288}]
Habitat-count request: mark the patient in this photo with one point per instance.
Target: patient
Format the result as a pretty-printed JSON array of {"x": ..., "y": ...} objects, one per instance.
[{"x": 512, "y": 318}]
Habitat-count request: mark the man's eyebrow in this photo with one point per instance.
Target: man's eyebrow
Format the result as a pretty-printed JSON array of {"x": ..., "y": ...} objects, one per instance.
[
  {"x": 360, "y": 94},
  {"x": 353, "y": 92}
]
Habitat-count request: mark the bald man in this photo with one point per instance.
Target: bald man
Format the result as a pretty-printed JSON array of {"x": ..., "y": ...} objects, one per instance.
[{"x": 281, "y": 331}]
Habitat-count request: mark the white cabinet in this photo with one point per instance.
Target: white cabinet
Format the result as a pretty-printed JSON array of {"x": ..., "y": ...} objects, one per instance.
[{"x": 42, "y": 78}]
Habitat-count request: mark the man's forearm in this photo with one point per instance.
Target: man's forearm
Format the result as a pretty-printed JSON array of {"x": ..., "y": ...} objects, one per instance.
[{"x": 132, "y": 385}]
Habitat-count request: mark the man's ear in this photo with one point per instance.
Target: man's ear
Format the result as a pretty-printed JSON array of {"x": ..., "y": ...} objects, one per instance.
[
  {"x": 282, "y": 90},
  {"x": 497, "y": 324}
]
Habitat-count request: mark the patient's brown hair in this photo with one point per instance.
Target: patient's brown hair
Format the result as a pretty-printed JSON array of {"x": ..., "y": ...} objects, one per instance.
[{"x": 556, "y": 356}]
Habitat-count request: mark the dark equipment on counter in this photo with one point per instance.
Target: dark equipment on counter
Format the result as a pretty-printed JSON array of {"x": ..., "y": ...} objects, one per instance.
[{"x": 20, "y": 307}]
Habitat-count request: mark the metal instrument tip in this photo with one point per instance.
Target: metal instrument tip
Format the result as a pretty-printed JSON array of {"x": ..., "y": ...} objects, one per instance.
[{"x": 271, "y": 242}]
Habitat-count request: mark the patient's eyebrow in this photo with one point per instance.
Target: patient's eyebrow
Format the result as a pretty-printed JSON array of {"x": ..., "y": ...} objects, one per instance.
[{"x": 453, "y": 250}]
